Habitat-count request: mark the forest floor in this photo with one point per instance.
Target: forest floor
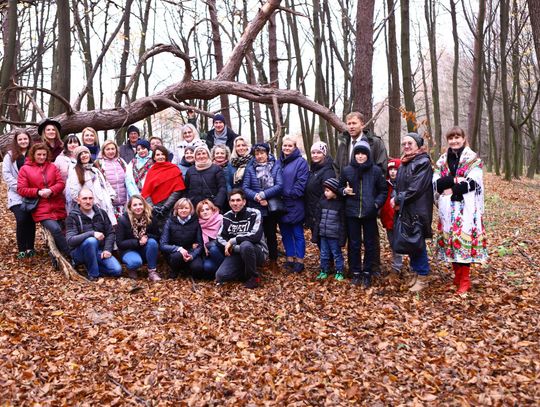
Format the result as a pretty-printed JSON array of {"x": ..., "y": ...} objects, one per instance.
[{"x": 294, "y": 341}]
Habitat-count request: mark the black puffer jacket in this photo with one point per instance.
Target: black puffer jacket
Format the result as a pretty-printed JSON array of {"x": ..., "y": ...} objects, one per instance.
[
  {"x": 125, "y": 240},
  {"x": 414, "y": 191},
  {"x": 330, "y": 221},
  {"x": 369, "y": 186},
  {"x": 209, "y": 183},
  {"x": 318, "y": 173},
  {"x": 80, "y": 227},
  {"x": 176, "y": 235}
]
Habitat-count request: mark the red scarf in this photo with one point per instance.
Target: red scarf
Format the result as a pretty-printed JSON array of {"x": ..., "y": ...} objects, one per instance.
[{"x": 161, "y": 181}]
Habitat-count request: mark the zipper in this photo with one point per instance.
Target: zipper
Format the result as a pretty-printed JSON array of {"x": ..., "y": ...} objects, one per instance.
[{"x": 361, "y": 182}]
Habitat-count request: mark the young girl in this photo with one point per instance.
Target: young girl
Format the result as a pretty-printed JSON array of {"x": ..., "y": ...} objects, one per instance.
[
  {"x": 364, "y": 188},
  {"x": 113, "y": 169},
  {"x": 182, "y": 242},
  {"x": 210, "y": 220},
  {"x": 136, "y": 238}
]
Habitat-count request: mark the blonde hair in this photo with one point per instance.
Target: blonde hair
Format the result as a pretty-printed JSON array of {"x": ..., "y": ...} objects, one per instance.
[
  {"x": 289, "y": 138},
  {"x": 58, "y": 140},
  {"x": 105, "y": 144},
  {"x": 183, "y": 202},
  {"x": 208, "y": 202},
  {"x": 147, "y": 213},
  {"x": 234, "y": 154},
  {"x": 94, "y": 132},
  {"x": 196, "y": 134},
  {"x": 356, "y": 115}
]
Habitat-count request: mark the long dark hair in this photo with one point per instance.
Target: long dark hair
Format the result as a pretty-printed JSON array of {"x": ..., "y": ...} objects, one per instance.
[
  {"x": 79, "y": 169},
  {"x": 15, "y": 148},
  {"x": 67, "y": 140}
]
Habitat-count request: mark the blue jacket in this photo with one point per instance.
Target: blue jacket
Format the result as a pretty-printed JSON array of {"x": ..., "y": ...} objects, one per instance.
[
  {"x": 295, "y": 173},
  {"x": 252, "y": 186}
]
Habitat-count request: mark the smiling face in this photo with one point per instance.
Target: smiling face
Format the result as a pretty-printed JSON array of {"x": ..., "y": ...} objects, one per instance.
[
  {"x": 205, "y": 212},
  {"x": 142, "y": 151},
  {"x": 137, "y": 207},
  {"x": 455, "y": 141},
  {"x": 237, "y": 203},
  {"x": 109, "y": 151},
  {"x": 360, "y": 157},
  {"x": 154, "y": 143},
  {"x": 201, "y": 156},
  {"x": 187, "y": 134},
  {"x": 261, "y": 156},
  {"x": 23, "y": 141},
  {"x": 317, "y": 156},
  {"x": 159, "y": 156},
  {"x": 133, "y": 137},
  {"x": 241, "y": 147},
  {"x": 72, "y": 144},
  {"x": 288, "y": 147},
  {"x": 220, "y": 155},
  {"x": 219, "y": 125},
  {"x": 84, "y": 157},
  {"x": 183, "y": 211},
  {"x": 50, "y": 133},
  {"x": 189, "y": 155},
  {"x": 88, "y": 138},
  {"x": 408, "y": 145},
  {"x": 40, "y": 156}
]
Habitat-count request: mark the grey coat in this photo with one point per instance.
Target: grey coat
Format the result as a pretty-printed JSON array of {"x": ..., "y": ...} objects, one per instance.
[{"x": 10, "y": 173}]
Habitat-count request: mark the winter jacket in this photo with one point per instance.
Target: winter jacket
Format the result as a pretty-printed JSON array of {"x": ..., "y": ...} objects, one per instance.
[
  {"x": 131, "y": 185},
  {"x": 414, "y": 191},
  {"x": 64, "y": 164},
  {"x": 329, "y": 221},
  {"x": 32, "y": 178},
  {"x": 295, "y": 174},
  {"x": 125, "y": 239},
  {"x": 206, "y": 184},
  {"x": 184, "y": 166},
  {"x": 114, "y": 172},
  {"x": 252, "y": 185},
  {"x": 387, "y": 212},
  {"x": 231, "y": 135},
  {"x": 378, "y": 155},
  {"x": 10, "y": 173},
  {"x": 176, "y": 235},
  {"x": 127, "y": 152},
  {"x": 318, "y": 173},
  {"x": 244, "y": 226},
  {"x": 80, "y": 227},
  {"x": 369, "y": 187}
]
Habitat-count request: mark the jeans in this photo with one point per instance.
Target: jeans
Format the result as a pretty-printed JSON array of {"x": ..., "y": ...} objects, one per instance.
[
  {"x": 133, "y": 259},
  {"x": 330, "y": 249},
  {"x": 293, "y": 239},
  {"x": 419, "y": 262},
  {"x": 397, "y": 259},
  {"x": 57, "y": 233},
  {"x": 213, "y": 260},
  {"x": 25, "y": 229},
  {"x": 242, "y": 264},
  {"x": 270, "y": 232},
  {"x": 178, "y": 265},
  {"x": 89, "y": 254},
  {"x": 361, "y": 231}
]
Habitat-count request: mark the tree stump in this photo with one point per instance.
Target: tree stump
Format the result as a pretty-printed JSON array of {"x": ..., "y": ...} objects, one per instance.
[{"x": 63, "y": 264}]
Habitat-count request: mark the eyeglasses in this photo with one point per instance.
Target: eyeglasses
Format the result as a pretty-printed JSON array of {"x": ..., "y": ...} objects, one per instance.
[{"x": 407, "y": 143}]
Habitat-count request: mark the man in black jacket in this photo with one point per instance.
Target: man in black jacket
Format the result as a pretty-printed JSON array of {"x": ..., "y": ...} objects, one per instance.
[
  {"x": 242, "y": 237},
  {"x": 220, "y": 134},
  {"x": 91, "y": 237},
  {"x": 128, "y": 150}
]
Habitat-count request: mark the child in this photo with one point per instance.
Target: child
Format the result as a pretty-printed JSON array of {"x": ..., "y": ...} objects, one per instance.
[
  {"x": 364, "y": 188},
  {"x": 387, "y": 214},
  {"x": 329, "y": 229}
]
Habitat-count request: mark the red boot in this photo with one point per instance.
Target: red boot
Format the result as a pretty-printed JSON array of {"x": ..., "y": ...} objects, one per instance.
[
  {"x": 457, "y": 273},
  {"x": 465, "y": 281}
]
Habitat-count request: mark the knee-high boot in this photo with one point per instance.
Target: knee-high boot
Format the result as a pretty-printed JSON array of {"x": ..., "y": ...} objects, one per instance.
[
  {"x": 465, "y": 280},
  {"x": 457, "y": 273}
]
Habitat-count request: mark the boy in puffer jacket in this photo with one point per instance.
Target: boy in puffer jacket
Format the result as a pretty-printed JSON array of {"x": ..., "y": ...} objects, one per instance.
[{"x": 329, "y": 229}]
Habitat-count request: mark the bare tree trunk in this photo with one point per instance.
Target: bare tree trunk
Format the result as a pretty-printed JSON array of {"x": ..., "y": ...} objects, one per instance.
[
  {"x": 394, "y": 98},
  {"x": 506, "y": 127},
  {"x": 145, "y": 16},
  {"x": 408, "y": 94},
  {"x": 455, "y": 72},
  {"x": 425, "y": 86},
  {"x": 125, "y": 54},
  {"x": 84, "y": 39},
  {"x": 431, "y": 24},
  {"x": 62, "y": 65},
  {"x": 7, "y": 72}
]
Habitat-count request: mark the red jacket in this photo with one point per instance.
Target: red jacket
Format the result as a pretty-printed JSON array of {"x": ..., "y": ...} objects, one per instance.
[
  {"x": 387, "y": 212},
  {"x": 33, "y": 177}
]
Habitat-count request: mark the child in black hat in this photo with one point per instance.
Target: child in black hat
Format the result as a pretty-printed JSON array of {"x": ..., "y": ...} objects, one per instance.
[{"x": 329, "y": 230}]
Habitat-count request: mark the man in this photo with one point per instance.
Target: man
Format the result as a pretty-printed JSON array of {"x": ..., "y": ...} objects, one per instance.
[
  {"x": 356, "y": 132},
  {"x": 91, "y": 237},
  {"x": 156, "y": 141},
  {"x": 242, "y": 237},
  {"x": 128, "y": 150},
  {"x": 220, "y": 134}
]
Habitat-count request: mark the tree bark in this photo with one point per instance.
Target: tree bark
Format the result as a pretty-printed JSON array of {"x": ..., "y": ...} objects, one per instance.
[
  {"x": 408, "y": 94},
  {"x": 455, "y": 71},
  {"x": 506, "y": 127},
  {"x": 431, "y": 24},
  {"x": 7, "y": 72},
  {"x": 394, "y": 97},
  {"x": 124, "y": 58},
  {"x": 62, "y": 66}
]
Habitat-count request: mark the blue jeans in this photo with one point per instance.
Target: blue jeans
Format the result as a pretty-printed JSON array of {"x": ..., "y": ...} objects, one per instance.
[
  {"x": 292, "y": 235},
  {"x": 330, "y": 248},
  {"x": 133, "y": 259},
  {"x": 213, "y": 260},
  {"x": 361, "y": 231},
  {"x": 419, "y": 262},
  {"x": 89, "y": 254}
]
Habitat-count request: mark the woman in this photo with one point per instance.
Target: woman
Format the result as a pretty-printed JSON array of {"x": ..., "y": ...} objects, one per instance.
[
  {"x": 91, "y": 141},
  {"x": 414, "y": 201},
  {"x": 182, "y": 241},
  {"x": 221, "y": 156},
  {"x": 138, "y": 168},
  {"x": 240, "y": 159},
  {"x": 263, "y": 181},
  {"x": 13, "y": 162},
  {"x": 163, "y": 186},
  {"x": 458, "y": 181},
  {"x": 84, "y": 174},
  {"x": 113, "y": 169},
  {"x": 65, "y": 160},
  {"x": 49, "y": 131},
  {"x": 210, "y": 220},
  {"x": 189, "y": 136},
  {"x": 137, "y": 238},
  {"x": 205, "y": 180},
  {"x": 321, "y": 168},
  {"x": 295, "y": 175},
  {"x": 39, "y": 177},
  {"x": 188, "y": 160}
]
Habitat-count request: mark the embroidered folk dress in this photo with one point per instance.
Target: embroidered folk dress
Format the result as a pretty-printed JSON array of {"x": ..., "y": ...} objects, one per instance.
[{"x": 461, "y": 236}]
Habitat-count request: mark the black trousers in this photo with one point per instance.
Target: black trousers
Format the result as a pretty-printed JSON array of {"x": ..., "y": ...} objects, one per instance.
[{"x": 25, "y": 229}]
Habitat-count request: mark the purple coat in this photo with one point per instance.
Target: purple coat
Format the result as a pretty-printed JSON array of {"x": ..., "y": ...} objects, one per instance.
[{"x": 295, "y": 172}]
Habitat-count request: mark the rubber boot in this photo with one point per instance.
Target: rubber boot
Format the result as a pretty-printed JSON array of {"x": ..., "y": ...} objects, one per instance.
[
  {"x": 465, "y": 281},
  {"x": 457, "y": 273}
]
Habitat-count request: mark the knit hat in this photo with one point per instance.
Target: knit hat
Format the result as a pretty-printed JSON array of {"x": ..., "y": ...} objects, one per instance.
[
  {"x": 320, "y": 146},
  {"x": 261, "y": 146},
  {"x": 80, "y": 150},
  {"x": 419, "y": 140},
  {"x": 394, "y": 163},
  {"x": 47, "y": 121},
  {"x": 219, "y": 118},
  {"x": 133, "y": 129},
  {"x": 202, "y": 147},
  {"x": 332, "y": 184},
  {"x": 144, "y": 143},
  {"x": 362, "y": 146}
]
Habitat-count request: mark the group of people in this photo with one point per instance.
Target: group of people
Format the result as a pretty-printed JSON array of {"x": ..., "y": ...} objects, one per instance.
[{"x": 213, "y": 206}]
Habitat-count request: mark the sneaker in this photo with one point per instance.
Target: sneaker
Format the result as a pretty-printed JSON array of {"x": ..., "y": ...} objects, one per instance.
[
  {"x": 288, "y": 266},
  {"x": 21, "y": 255},
  {"x": 322, "y": 275},
  {"x": 357, "y": 279},
  {"x": 298, "y": 267},
  {"x": 253, "y": 282},
  {"x": 153, "y": 275},
  {"x": 30, "y": 253},
  {"x": 339, "y": 276}
]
